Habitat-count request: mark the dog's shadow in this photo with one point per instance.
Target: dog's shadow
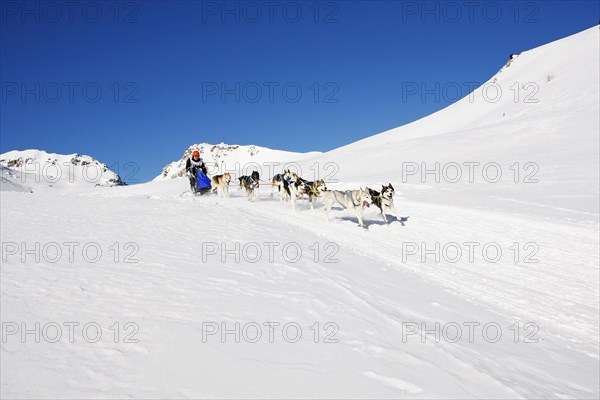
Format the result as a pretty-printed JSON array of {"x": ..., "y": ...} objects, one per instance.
[{"x": 390, "y": 218}]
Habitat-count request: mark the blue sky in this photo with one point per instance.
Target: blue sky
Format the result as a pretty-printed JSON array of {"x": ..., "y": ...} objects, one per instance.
[{"x": 139, "y": 81}]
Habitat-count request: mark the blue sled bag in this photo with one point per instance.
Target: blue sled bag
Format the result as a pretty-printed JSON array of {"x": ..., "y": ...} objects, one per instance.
[{"x": 203, "y": 181}]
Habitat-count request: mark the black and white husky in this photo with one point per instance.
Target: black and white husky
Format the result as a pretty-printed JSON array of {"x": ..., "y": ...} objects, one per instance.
[
  {"x": 278, "y": 182},
  {"x": 383, "y": 199},
  {"x": 251, "y": 184},
  {"x": 294, "y": 187},
  {"x": 352, "y": 200}
]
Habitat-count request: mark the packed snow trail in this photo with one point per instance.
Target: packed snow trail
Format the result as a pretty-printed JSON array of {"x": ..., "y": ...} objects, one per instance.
[{"x": 369, "y": 297}]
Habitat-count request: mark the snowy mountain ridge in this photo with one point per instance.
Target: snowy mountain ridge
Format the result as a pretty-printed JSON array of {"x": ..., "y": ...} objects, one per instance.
[
  {"x": 230, "y": 157},
  {"x": 35, "y": 169}
]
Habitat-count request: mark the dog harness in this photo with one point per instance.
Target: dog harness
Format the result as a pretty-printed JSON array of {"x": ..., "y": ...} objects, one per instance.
[{"x": 251, "y": 181}]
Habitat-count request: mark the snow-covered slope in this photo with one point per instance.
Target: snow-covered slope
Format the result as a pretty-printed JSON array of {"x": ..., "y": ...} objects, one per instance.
[
  {"x": 176, "y": 270},
  {"x": 39, "y": 170},
  {"x": 540, "y": 111},
  {"x": 234, "y": 158},
  {"x": 9, "y": 179},
  {"x": 525, "y": 141},
  {"x": 482, "y": 293}
]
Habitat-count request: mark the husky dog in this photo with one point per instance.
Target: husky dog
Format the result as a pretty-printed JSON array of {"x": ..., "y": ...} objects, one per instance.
[
  {"x": 294, "y": 187},
  {"x": 351, "y": 200},
  {"x": 220, "y": 184},
  {"x": 314, "y": 190},
  {"x": 251, "y": 184},
  {"x": 277, "y": 181},
  {"x": 383, "y": 199}
]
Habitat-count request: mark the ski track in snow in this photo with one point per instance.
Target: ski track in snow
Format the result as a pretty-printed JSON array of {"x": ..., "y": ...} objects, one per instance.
[{"x": 369, "y": 294}]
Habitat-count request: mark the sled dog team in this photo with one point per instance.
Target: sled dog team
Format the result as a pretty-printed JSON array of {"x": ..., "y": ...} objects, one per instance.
[{"x": 292, "y": 187}]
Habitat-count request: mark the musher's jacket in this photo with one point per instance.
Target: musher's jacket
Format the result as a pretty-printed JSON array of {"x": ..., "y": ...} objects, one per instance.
[{"x": 192, "y": 166}]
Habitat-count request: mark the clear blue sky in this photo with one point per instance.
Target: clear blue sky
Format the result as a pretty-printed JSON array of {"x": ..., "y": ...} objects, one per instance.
[{"x": 140, "y": 81}]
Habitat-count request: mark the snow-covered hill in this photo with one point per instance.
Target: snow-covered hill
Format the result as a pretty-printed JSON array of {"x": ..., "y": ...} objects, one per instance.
[
  {"x": 31, "y": 170},
  {"x": 9, "y": 181},
  {"x": 524, "y": 142},
  {"x": 536, "y": 123},
  {"x": 488, "y": 290},
  {"x": 234, "y": 158}
]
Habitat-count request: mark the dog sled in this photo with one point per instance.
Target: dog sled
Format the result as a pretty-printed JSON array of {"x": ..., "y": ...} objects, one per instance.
[
  {"x": 199, "y": 186},
  {"x": 203, "y": 185}
]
